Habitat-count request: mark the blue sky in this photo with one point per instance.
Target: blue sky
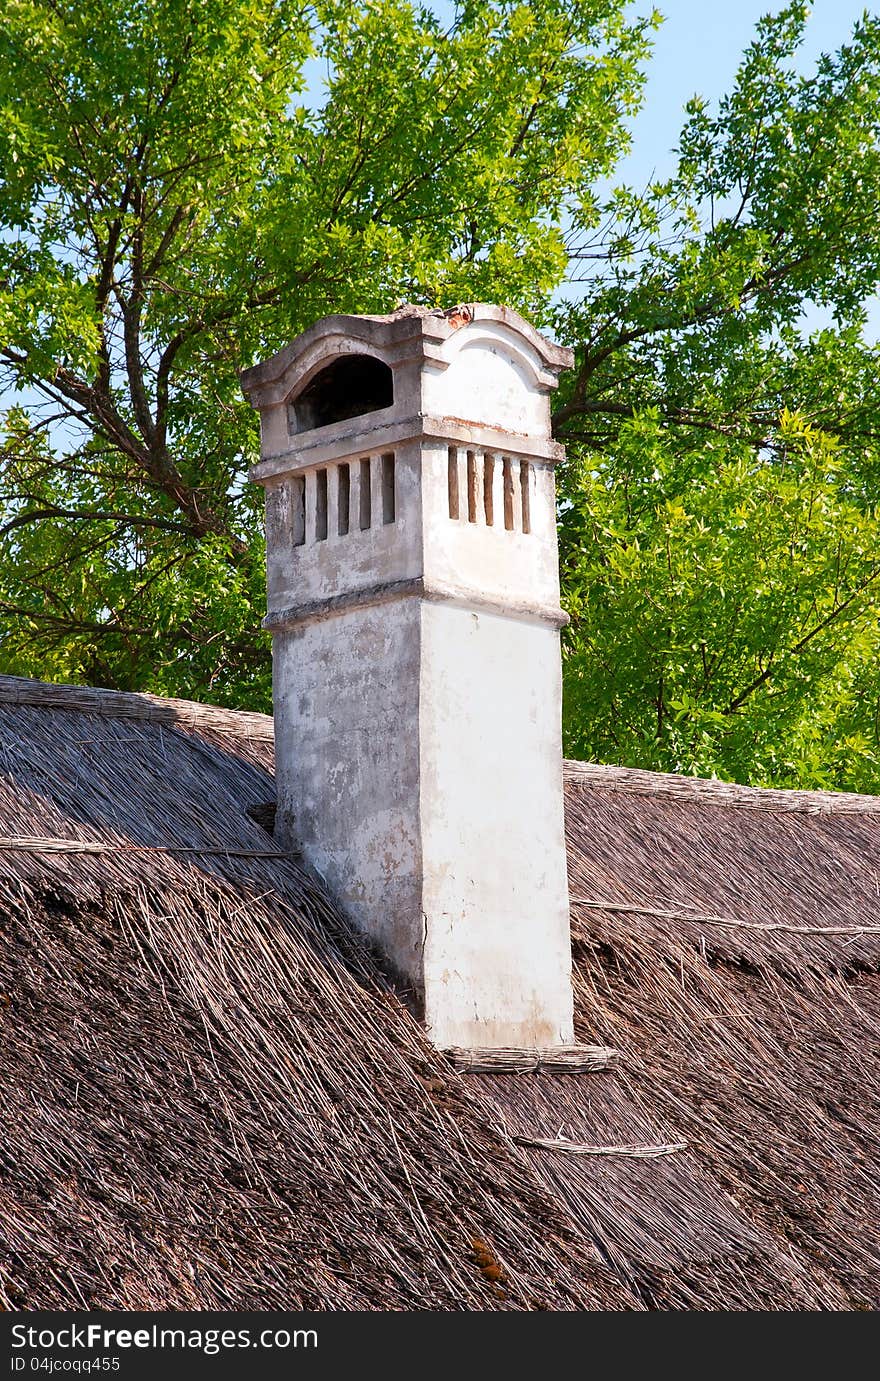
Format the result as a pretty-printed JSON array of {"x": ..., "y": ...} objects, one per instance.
[{"x": 697, "y": 51}]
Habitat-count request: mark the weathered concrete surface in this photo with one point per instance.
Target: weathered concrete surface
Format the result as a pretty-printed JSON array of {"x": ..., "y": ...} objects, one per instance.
[
  {"x": 413, "y": 596},
  {"x": 359, "y": 558},
  {"x": 497, "y": 961},
  {"x": 514, "y": 566},
  {"x": 347, "y": 764}
]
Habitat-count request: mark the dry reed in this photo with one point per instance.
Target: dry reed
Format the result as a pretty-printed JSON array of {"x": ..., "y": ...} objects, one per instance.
[{"x": 212, "y": 1098}]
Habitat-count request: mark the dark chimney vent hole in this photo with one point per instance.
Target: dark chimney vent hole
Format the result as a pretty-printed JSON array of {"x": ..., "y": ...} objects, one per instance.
[{"x": 349, "y": 387}]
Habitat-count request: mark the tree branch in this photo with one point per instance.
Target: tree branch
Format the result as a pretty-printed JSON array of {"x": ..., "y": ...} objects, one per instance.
[
  {"x": 34, "y": 515},
  {"x": 799, "y": 646}
]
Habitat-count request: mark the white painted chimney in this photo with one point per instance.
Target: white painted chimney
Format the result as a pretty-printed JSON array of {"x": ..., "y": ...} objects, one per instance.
[{"x": 414, "y": 604}]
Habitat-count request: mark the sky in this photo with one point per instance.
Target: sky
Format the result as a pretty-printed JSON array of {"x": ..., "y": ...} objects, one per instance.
[{"x": 697, "y": 51}]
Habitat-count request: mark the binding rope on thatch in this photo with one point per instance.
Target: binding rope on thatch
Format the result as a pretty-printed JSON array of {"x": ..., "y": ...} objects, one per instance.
[
  {"x": 36, "y": 844},
  {"x": 211, "y": 1097},
  {"x": 580, "y": 1148},
  {"x": 763, "y": 1054},
  {"x": 566, "y": 1059},
  {"x": 703, "y": 919}
]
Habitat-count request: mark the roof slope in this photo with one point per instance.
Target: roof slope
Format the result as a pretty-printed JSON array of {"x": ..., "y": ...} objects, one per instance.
[
  {"x": 212, "y": 1099},
  {"x": 217, "y": 1101},
  {"x": 736, "y": 963}
]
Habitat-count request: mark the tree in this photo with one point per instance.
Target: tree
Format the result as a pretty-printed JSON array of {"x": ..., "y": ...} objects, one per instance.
[
  {"x": 175, "y": 207},
  {"x": 173, "y": 210},
  {"x": 725, "y": 623},
  {"x": 720, "y": 528}
]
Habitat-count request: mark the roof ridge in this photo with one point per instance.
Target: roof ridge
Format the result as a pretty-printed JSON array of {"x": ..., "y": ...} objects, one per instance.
[
  {"x": 136, "y": 705},
  {"x": 712, "y": 791},
  {"x": 193, "y": 714}
]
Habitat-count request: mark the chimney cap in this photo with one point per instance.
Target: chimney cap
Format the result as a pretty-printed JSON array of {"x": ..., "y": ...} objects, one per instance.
[{"x": 393, "y": 336}]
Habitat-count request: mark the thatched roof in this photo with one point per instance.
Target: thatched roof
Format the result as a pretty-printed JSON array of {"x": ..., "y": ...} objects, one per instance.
[
  {"x": 736, "y": 964},
  {"x": 214, "y": 1099}
]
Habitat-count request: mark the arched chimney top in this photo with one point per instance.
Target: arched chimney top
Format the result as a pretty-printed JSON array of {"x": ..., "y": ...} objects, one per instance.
[{"x": 411, "y": 332}]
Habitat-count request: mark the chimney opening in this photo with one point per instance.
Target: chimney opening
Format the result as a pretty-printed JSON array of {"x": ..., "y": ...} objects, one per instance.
[
  {"x": 298, "y": 509},
  {"x": 472, "y": 486},
  {"x": 453, "y": 481},
  {"x": 508, "y": 494},
  {"x": 321, "y": 506},
  {"x": 524, "y": 481},
  {"x": 366, "y": 512},
  {"x": 488, "y": 479},
  {"x": 388, "y": 502},
  {"x": 349, "y": 387},
  {"x": 343, "y": 498}
]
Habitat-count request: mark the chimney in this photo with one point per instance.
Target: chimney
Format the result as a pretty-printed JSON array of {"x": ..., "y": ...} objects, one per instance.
[{"x": 414, "y": 607}]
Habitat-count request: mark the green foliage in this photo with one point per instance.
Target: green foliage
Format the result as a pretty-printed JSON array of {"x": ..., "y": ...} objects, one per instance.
[
  {"x": 720, "y": 532},
  {"x": 725, "y": 622},
  {"x": 176, "y": 203},
  {"x": 172, "y": 211}
]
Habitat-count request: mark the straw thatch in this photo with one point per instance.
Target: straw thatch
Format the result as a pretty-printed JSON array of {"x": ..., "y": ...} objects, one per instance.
[
  {"x": 213, "y": 1099},
  {"x": 757, "y": 1041}
]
